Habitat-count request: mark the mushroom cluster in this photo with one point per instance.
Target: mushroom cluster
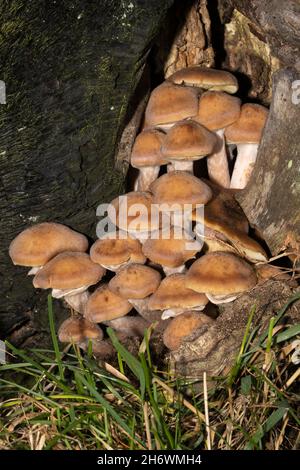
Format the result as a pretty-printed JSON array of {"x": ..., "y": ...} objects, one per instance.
[{"x": 144, "y": 271}]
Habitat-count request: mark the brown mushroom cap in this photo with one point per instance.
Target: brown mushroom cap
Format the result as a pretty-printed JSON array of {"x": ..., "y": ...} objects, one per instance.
[
  {"x": 173, "y": 293},
  {"x": 208, "y": 78},
  {"x": 77, "y": 330},
  {"x": 224, "y": 215},
  {"x": 221, "y": 212},
  {"x": 147, "y": 149},
  {"x": 248, "y": 128},
  {"x": 133, "y": 200},
  {"x": 188, "y": 140},
  {"x": 135, "y": 281},
  {"x": 220, "y": 273},
  {"x": 183, "y": 326},
  {"x": 167, "y": 250},
  {"x": 170, "y": 103},
  {"x": 218, "y": 110},
  {"x": 245, "y": 245},
  {"x": 36, "y": 245},
  {"x": 104, "y": 305},
  {"x": 180, "y": 187},
  {"x": 116, "y": 251},
  {"x": 68, "y": 271}
]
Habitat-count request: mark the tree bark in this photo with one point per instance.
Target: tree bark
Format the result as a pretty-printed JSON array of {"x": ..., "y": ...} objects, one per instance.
[
  {"x": 70, "y": 70},
  {"x": 271, "y": 199},
  {"x": 214, "y": 347}
]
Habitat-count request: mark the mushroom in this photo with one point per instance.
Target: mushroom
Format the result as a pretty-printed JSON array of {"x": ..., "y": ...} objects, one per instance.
[
  {"x": 80, "y": 331},
  {"x": 129, "y": 326},
  {"x": 135, "y": 283},
  {"x": 218, "y": 110},
  {"x": 246, "y": 133},
  {"x": 178, "y": 193},
  {"x": 113, "y": 253},
  {"x": 171, "y": 248},
  {"x": 135, "y": 213},
  {"x": 186, "y": 142},
  {"x": 69, "y": 274},
  {"x": 207, "y": 78},
  {"x": 221, "y": 276},
  {"x": 36, "y": 245},
  {"x": 223, "y": 210},
  {"x": 146, "y": 156},
  {"x": 170, "y": 103},
  {"x": 104, "y": 305},
  {"x": 225, "y": 228},
  {"x": 181, "y": 327},
  {"x": 174, "y": 298}
]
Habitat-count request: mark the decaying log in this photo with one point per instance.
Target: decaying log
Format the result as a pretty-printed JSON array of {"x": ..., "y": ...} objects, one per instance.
[
  {"x": 271, "y": 199},
  {"x": 214, "y": 347}
]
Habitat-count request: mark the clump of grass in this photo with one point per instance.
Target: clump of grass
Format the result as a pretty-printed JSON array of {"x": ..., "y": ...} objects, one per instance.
[{"x": 67, "y": 400}]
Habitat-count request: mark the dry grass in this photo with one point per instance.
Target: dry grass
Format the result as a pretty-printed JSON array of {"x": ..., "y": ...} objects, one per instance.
[{"x": 63, "y": 400}]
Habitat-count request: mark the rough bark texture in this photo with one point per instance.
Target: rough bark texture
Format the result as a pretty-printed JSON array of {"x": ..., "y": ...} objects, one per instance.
[
  {"x": 70, "y": 68},
  {"x": 271, "y": 199},
  {"x": 213, "y": 348}
]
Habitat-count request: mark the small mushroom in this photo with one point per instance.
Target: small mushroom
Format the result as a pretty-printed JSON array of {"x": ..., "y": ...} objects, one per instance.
[
  {"x": 183, "y": 326},
  {"x": 221, "y": 276},
  {"x": 171, "y": 248},
  {"x": 246, "y": 133},
  {"x": 174, "y": 298},
  {"x": 146, "y": 156},
  {"x": 80, "y": 331},
  {"x": 217, "y": 110},
  {"x": 115, "y": 251},
  {"x": 135, "y": 213},
  {"x": 207, "y": 78},
  {"x": 170, "y": 103},
  {"x": 179, "y": 188},
  {"x": 135, "y": 282},
  {"x": 37, "y": 245},
  {"x": 186, "y": 142},
  {"x": 69, "y": 274},
  {"x": 104, "y": 305}
]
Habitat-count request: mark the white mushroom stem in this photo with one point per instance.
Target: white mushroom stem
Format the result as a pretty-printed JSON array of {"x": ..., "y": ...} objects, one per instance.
[
  {"x": 75, "y": 298},
  {"x": 78, "y": 301},
  {"x": 179, "y": 269},
  {"x": 181, "y": 165},
  {"x": 175, "y": 311},
  {"x": 220, "y": 299},
  {"x": 139, "y": 235},
  {"x": 141, "y": 306},
  {"x": 217, "y": 164},
  {"x": 146, "y": 176},
  {"x": 244, "y": 164},
  {"x": 130, "y": 326},
  {"x": 34, "y": 270}
]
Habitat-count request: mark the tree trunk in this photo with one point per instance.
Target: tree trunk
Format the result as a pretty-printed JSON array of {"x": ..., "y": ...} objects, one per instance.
[
  {"x": 271, "y": 199},
  {"x": 70, "y": 70}
]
